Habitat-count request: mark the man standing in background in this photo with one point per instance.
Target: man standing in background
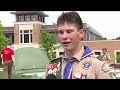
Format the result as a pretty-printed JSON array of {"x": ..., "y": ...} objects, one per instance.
[
  {"x": 7, "y": 56},
  {"x": 106, "y": 56}
]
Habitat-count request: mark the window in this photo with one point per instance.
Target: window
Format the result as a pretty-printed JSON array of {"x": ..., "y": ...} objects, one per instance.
[
  {"x": 97, "y": 53},
  {"x": 94, "y": 38},
  {"x": 25, "y": 36},
  {"x": 7, "y": 36},
  {"x": 87, "y": 36},
  {"x": 32, "y": 17},
  {"x": 20, "y": 18},
  {"x": 27, "y": 17},
  {"x": 12, "y": 39},
  {"x": 43, "y": 19}
]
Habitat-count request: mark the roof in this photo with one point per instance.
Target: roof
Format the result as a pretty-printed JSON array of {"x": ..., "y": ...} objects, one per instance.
[
  {"x": 53, "y": 28},
  {"x": 85, "y": 25},
  {"x": 8, "y": 29},
  {"x": 30, "y": 12}
]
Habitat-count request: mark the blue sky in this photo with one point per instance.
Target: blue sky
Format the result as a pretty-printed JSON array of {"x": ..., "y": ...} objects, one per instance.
[{"x": 107, "y": 23}]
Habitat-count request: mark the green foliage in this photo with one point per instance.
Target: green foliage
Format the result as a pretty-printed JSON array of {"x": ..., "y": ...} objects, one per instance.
[
  {"x": 118, "y": 38},
  {"x": 3, "y": 39},
  {"x": 48, "y": 42},
  {"x": 118, "y": 57},
  {"x": 104, "y": 38}
]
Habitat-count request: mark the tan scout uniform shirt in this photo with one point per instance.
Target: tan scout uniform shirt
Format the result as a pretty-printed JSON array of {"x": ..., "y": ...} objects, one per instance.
[{"x": 96, "y": 70}]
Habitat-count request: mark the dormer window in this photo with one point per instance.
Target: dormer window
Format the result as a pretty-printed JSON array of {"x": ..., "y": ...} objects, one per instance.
[
  {"x": 41, "y": 19},
  {"x": 20, "y": 18},
  {"x": 32, "y": 17},
  {"x": 27, "y": 17}
]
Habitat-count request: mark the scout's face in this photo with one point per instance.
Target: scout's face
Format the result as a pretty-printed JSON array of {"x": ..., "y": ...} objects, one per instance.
[{"x": 69, "y": 36}]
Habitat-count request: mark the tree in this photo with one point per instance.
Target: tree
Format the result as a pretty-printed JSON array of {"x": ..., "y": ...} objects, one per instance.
[
  {"x": 3, "y": 39},
  {"x": 104, "y": 38},
  {"x": 49, "y": 43},
  {"x": 118, "y": 38},
  {"x": 118, "y": 57}
]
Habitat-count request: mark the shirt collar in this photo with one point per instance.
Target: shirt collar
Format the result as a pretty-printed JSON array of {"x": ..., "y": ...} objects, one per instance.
[{"x": 84, "y": 52}]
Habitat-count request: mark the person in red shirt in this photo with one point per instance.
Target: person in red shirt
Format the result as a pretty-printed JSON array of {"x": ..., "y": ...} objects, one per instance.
[{"x": 7, "y": 55}]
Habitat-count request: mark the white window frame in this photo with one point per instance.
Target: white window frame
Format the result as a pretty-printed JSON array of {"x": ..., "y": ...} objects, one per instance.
[{"x": 23, "y": 36}]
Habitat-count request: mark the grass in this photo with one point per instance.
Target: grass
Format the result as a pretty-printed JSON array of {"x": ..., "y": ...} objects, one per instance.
[
  {"x": 14, "y": 76},
  {"x": 0, "y": 65},
  {"x": 18, "y": 76}
]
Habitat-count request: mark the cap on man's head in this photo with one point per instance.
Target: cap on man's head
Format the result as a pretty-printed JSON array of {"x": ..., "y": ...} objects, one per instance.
[{"x": 104, "y": 49}]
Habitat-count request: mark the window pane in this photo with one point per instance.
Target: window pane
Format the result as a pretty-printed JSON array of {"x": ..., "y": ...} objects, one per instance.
[
  {"x": 87, "y": 36},
  {"x": 27, "y": 17},
  {"x": 30, "y": 38},
  {"x": 43, "y": 19},
  {"x": 32, "y": 17},
  {"x": 26, "y": 38},
  {"x": 26, "y": 31},
  {"x": 20, "y": 31},
  {"x": 30, "y": 31},
  {"x": 21, "y": 41},
  {"x": 7, "y": 36},
  {"x": 97, "y": 53},
  {"x": 12, "y": 39},
  {"x": 20, "y": 18}
]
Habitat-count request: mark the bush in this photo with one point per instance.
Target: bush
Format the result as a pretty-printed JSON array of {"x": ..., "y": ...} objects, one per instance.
[{"x": 118, "y": 57}]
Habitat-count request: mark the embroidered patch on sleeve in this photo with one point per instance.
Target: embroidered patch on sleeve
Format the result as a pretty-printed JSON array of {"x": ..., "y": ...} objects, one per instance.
[
  {"x": 87, "y": 65},
  {"x": 53, "y": 68}
]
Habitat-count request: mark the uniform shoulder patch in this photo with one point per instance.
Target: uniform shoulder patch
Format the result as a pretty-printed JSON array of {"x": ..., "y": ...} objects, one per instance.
[
  {"x": 54, "y": 67},
  {"x": 87, "y": 65}
]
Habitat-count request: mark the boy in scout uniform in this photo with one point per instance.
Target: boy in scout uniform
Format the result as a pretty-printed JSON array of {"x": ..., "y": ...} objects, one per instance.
[
  {"x": 78, "y": 61},
  {"x": 105, "y": 55}
]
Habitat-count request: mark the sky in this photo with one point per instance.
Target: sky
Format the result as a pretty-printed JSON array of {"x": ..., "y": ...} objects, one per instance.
[{"x": 107, "y": 23}]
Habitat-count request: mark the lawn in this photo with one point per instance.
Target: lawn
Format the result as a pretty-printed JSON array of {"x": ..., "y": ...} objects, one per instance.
[
  {"x": 14, "y": 76},
  {"x": 18, "y": 76}
]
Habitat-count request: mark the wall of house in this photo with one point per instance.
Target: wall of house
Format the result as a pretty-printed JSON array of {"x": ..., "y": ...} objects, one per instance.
[
  {"x": 96, "y": 46},
  {"x": 111, "y": 45},
  {"x": 35, "y": 26}
]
